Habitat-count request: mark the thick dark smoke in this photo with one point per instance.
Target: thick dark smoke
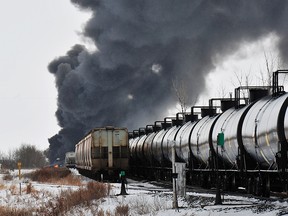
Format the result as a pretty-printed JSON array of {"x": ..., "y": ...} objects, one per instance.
[{"x": 142, "y": 46}]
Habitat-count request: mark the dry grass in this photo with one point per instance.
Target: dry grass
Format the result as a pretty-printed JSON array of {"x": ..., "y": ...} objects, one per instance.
[
  {"x": 61, "y": 176},
  {"x": 70, "y": 180},
  {"x": 7, "y": 211},
  {"x": 2, "y": 186},
  {"x": 13, "y": 189},
  {"x": 48, "y": 174},
  {"x": 29, "y": 188},
  {"x": 83, "y": 196},
  {"x": 141, "y": 206},
  {"x": 122, "y": 210},
  {"x": 7, "y": 177},
  {"x": 62, "y": 203}
]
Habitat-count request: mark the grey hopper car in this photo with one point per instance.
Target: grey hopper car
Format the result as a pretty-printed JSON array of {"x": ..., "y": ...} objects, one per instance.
[{"x": 103, "y": 153}]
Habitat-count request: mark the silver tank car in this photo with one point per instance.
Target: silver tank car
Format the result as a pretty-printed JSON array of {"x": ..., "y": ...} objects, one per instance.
[
  {"x": 157, "y": 145},
  {"x": 168, "y": 142},
  {"x": 182, "y": 140},
  {"x": 229, "y": 123},
  {"x": 199, "y": 141},
  {"x": 147, "y": 147},
  {"x": 132, "y": 146},
  {"x": 261, "y": 127},
  {"x": 139, "y": 147}
]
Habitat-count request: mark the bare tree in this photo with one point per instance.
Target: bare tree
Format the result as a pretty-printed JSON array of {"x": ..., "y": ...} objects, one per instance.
[
  {"x": 243, "y": 80},
  {"x": 270, "y": 66},
  {"x": 8, "y": 160},
  {"x": 182, "y": 93},
  {"x": 222, "y": 91},
  {"x": 272, "y": 63},
  {"x": 29, "y": 156}
]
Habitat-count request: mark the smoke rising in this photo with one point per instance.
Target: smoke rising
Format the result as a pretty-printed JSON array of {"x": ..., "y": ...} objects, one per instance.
[{"x": 142, "y": 46}]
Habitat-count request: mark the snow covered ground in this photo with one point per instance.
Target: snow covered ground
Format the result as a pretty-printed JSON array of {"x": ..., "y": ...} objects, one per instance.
[
  {"x": 143, "y": 199},
  {"x": 148, "y": 199}
]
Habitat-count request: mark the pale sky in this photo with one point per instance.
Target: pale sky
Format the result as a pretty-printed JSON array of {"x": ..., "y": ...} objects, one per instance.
[
  {"x": 34, "y": 32},
  {"x": 248, "y": 61}
]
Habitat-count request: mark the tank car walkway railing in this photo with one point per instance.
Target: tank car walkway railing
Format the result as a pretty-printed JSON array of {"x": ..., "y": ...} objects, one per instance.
[{"x": 276, "y": 89}]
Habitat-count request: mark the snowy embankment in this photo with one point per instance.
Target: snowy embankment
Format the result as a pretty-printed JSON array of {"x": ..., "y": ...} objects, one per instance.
[
  {"x": 143, "y": 199},
  {"x": 147, "y": 199}
]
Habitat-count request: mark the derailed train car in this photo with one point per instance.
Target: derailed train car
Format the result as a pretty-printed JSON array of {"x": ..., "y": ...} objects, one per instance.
[
  {"x": 254, "y": 154},
  {"x": 103, "y": 153}
]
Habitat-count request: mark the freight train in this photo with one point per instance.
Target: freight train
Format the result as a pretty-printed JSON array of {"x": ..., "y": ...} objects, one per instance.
[
  {"x": 252, "y": 155},
  {"x": 103, "y": 153}
]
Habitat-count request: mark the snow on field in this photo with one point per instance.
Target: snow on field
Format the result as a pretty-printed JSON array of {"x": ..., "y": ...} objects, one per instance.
[
  {"x": 143, "y": 199},
  {"x": 147, "y": 199}
]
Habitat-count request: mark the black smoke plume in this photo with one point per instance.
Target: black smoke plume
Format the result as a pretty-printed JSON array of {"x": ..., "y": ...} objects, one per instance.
[{"x": 142, "y": 45}]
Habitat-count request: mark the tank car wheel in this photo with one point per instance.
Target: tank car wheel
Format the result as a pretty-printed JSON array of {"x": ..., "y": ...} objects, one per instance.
[
  {"x": 157, "y": 175},
  {"x": 226, "y": 185},
  {"x": 209, "y": 181},
  {"x": 202, "y": 180},
  {"x": 249, "y": 187},
  {"x": 267, "y": 187},
  {"x": 205, "y": 180},
  {"x": 258, "y": 186},
  {"x": 97, "y": 176},
  {"x": 189, "y": 178},
  {"x": 229, "y": 183},
  {"x": 233, "y": 183}
]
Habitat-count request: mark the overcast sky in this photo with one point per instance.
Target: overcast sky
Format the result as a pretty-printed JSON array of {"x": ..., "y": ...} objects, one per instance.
[{"x": 33, "y": 33}]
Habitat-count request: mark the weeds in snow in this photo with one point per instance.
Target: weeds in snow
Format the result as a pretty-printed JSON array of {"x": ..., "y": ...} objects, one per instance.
[
  {"x": 7, "y": 211},
  {"x": 52, "y": 204},
  {"x": 61, "y": 176},
  {"x": 29, "y": 188},
  {"x": 2, "y": 186},
  {"x": 13, "y": 189},
  {"x": 7, "y": 177},
  {"x": 140, "y": 205},
  {"x": 122, "y": 210},
  {"x": 68, "y": 199}
]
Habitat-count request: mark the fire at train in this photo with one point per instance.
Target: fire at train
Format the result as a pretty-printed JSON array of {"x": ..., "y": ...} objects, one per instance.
[{"x": 241, "y": 143}]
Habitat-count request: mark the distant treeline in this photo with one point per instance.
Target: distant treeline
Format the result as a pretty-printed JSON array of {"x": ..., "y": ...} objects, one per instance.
[{"x": 28, "y": 155}]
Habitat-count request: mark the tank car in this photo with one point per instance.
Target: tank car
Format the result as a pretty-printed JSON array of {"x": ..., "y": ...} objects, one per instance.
[
  {"x": 103, "y": 153},
  {"x": 254, "y": 153}
]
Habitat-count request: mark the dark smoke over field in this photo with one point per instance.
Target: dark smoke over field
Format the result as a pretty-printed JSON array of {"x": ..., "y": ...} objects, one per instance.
[{"x": 142, "y": 46}]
